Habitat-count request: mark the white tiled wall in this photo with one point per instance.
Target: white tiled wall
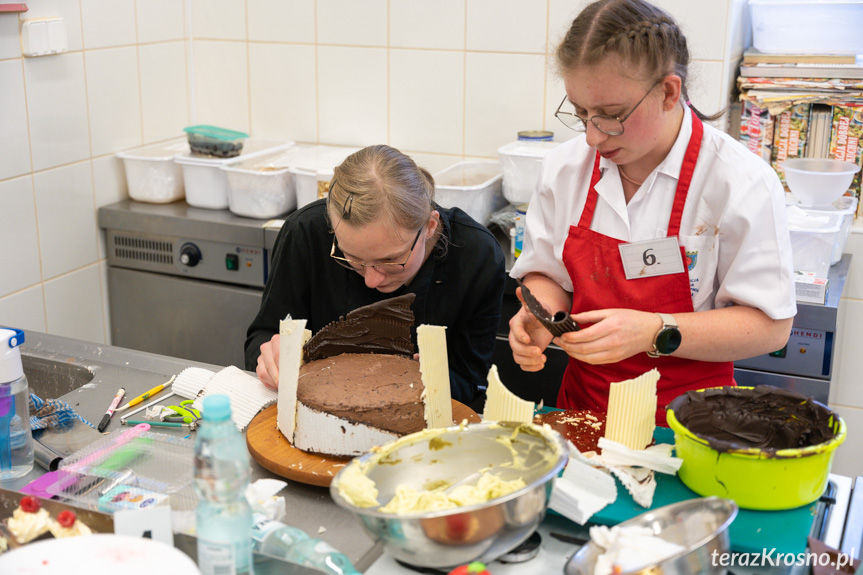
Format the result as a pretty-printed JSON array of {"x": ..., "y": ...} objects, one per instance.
[{"x": 441, "y": 80}]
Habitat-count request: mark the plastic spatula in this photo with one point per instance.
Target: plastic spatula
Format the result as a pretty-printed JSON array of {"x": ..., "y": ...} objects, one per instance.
[{"x": 7, "y": 412}]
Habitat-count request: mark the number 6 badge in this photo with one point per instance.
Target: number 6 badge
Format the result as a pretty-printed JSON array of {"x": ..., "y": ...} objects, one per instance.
[{"x": 650, "y": 258}]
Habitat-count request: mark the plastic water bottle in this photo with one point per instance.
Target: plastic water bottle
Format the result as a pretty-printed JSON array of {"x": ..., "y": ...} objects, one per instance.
[
  {"x": 224, "y": 517},
  {"x": 16, "y": 440},
  {"x": 281, "y": 541}
]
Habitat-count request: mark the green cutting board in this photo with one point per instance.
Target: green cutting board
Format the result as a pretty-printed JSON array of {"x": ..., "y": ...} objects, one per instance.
[{"x": 751, "y": 531}]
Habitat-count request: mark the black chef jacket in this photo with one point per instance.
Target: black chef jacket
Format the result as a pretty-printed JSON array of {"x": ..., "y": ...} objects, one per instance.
[{"x": 460, "y": 286}]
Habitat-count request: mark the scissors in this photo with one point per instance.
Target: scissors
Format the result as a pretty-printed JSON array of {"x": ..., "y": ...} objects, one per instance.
[{"x": 182, "y": 413}]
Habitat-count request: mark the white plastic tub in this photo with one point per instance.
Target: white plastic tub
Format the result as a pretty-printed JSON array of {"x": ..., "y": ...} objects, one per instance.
[
  {"x": 151, "y": 174},
  {"x": 473, "y": 186},
  {"x": 312, "y": 167},
  {"x": 813, "y": 239},
  {"x": 845, "y": 207},
  {"x": 521, "y": 162},
  {"x": 807, "y": 26},
  {"x": 206, "y": 184},
  {"x": 261, "y": 187}
]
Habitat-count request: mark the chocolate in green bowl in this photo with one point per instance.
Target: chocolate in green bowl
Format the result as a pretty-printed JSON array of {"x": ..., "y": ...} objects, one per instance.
[{"x": 764, "y": 447}]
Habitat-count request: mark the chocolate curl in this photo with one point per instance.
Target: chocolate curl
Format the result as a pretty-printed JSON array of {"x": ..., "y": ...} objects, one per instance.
[
  {"x": 558, "y": 324},
  {"x": 381, "y": 327}
]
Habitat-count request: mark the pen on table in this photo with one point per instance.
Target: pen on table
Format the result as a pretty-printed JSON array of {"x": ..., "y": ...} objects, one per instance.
[
  {"x": 191, "y": 425},
  {"x": 146, "y": 395},
  {"x": 106, "y": 419}
]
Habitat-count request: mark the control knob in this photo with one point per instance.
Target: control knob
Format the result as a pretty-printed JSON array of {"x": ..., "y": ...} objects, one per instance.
[{"x": 190, "y": 255}]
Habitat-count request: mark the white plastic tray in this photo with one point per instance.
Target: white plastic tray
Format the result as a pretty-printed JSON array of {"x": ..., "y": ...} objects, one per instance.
[
  {"x": 151, "y": 174},
  {"x": 206, "y": 184}
]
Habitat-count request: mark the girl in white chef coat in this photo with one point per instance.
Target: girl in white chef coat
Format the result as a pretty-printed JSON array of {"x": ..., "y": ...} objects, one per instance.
[{"x": 665, "y": 237}]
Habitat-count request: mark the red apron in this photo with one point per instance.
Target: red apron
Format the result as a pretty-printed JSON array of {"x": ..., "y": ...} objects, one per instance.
[{"x": 596, "y": 270}]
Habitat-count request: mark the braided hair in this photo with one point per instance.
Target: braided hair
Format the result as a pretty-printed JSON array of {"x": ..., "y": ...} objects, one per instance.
[{"x": 639, "y": 33}]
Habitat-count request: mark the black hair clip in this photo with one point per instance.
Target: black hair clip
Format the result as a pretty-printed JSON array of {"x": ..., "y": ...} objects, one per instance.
[
  {"x": 349, "y": 203},
  {"x": 348, "y": 207},
  {"x": 558, "y": 324}
]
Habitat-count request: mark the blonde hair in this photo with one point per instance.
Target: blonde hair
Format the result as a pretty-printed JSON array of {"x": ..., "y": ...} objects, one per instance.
[
  {"x": 381, "y": 183},
  {"x": 640, "y": 34}
]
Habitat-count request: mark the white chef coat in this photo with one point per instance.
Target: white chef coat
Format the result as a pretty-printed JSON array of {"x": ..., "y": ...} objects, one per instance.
[{"x": 733, "y": 226}]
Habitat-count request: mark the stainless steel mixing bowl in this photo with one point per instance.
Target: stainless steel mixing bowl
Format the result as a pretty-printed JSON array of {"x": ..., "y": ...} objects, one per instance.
[
  {"x": 481, "y": 532},
  {"x": 699, "y": 525}
]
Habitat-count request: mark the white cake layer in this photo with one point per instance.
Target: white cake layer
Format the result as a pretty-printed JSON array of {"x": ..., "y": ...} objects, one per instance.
[{"x": 325, "y": 433}]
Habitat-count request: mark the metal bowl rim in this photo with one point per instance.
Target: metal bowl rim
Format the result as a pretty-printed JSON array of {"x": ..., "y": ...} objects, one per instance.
[
  {"x": 551, "y": 474},
  {"x": 646, "y": 517}
]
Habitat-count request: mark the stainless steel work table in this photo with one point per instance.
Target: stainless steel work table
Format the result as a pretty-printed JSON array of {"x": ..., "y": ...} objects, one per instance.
[
  {"x": 97, "y": 371},
  {"x": 308, "y": 507}
]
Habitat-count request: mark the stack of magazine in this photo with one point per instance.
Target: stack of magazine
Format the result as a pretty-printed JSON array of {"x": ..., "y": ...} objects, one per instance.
[
  {"x": 802, "y": 106},
  {"x": 762, "y": 65}
]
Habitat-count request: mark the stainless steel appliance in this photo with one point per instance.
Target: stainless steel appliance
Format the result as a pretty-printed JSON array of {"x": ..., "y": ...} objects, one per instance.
[
  {"x": 805, "y": 364},
  {"x": 182, "y": 281}
]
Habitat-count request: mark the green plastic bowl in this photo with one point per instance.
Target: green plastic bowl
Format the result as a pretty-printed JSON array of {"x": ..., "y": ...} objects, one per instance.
[{"x": 752, "y": 478}]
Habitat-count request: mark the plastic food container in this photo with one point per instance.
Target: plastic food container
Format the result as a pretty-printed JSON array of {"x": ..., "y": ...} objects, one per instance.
[
  {"x": 845, "y": 207},
  {"x": 807, "y": 26},
  {"x": 261, "y": 187},
  {"x": 215, "y": 141},
  {"x": 129, "y": 470},
  {"x": 813, "y": 239},
  {"x": 785, "y": 479},
  {"x": 521, "y": 162},
  {"x": 312, "y": 167},
  {"x": 474, "y": 186},
  {"x": 151, "y": 174},
  {"x": 206, "y": 184}
]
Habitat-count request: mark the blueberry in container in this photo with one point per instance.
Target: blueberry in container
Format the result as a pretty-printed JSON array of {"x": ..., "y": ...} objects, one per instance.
[{"x": 215, "y": 141}]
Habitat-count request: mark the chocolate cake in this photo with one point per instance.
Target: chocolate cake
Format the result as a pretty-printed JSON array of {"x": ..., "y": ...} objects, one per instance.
[
  {"x": 383, "y": 391},
  {"x": 359, "y": 385}
]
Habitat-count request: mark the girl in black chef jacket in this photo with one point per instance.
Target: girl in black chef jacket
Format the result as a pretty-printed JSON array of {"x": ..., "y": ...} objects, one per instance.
[{"x": 378, "y": 235}]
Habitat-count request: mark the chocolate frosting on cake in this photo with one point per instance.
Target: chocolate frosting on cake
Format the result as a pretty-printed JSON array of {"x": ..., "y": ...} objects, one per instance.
[
  {"x": 384, "y": 391},
  {"x": 765, "y": 417},
  {"x": 382, "y": 327}
]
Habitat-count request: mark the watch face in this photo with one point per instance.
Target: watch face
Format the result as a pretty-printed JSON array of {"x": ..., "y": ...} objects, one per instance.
[{"x": 668, "y": 340}]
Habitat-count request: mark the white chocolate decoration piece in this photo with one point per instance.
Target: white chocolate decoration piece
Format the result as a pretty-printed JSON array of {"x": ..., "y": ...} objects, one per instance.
[
  {"x": 292, "y": 335},
  {"x": 434, "y": 369},
  {"x": 503, "y": 405},
  {"x": 632, "y": 411}
]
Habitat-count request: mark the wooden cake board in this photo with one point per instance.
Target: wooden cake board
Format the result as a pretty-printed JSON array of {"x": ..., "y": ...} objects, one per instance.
[{"x": 274, "y": 452}]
